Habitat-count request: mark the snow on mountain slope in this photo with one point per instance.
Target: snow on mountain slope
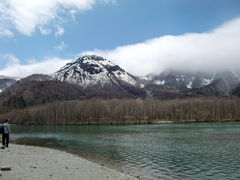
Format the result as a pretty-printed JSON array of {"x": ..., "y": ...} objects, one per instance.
[
  {"x": 223, "y": 82},
  {"x": 181, "y": 80},
  {"x": 91, "y": 70},
  {"x": 8, "y": 77},
  {"x": 6, "y": 82}
]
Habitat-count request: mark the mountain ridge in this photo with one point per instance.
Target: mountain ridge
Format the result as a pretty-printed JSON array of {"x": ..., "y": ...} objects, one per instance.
[
  {"x": 194, "y": 81},
  {"x": 93, "y": 70},
  {"x": 99, "y": 77}
]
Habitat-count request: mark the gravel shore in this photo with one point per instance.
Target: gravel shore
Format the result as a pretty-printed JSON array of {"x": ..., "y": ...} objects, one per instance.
[{"x": 37, "y": 163}]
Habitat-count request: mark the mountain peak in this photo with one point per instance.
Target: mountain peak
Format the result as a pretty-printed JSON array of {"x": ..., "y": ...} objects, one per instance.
[
  {"x": 92, "y": 70},
  {"x": 92, "y": 57}
]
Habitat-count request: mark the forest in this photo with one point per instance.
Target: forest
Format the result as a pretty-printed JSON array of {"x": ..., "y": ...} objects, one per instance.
[{"x": 129, "y": 111}]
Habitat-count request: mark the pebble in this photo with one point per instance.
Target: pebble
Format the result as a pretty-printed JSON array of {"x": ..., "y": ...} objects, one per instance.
[
  {"x": 6, "y": 168},
  {"x": 83, "y": 169}
]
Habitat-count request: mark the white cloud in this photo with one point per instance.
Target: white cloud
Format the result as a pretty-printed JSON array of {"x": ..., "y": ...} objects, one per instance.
[
  {"x": 210, "y": 51},
  {"x": 218, "y": 49},
  {"x": 59, "y": 31},
  {"x": 44, "y": 31},
  {"x": 5, "y": 32},
  {"x": 46, "y": 66},
  {"x": 60, "y": 47},
  {"x": 32, "y": 61},
  {"x": 26, "y": 15},
  {"x": 10, "y": 60}
]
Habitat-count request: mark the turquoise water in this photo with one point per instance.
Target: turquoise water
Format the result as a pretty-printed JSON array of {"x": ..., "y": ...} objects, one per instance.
[{"x": 182, "y": 151}]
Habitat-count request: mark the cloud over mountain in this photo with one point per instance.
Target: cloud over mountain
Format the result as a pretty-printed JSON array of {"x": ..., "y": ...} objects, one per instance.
[
  {"x": 217, "y": 49},
  {"x": 27, "y": 15},
  {"x": 15, "y": 69}
]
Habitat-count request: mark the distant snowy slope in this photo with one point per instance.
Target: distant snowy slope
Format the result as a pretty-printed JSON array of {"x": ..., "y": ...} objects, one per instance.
[
  {"x": 91, "y": 70},
  {"x": 6, "y": 82},
  {"x": 191, "y": 80}
]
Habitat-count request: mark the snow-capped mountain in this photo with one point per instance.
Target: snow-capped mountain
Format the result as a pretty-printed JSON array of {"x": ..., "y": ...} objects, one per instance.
[
  {"x": 223, "y": 82},
  {"x": 181, "y": 80},
  {"x": 99, "y": 77},
  {"x": 94, "y": 71},
  {"x": 91, "y": 70}
]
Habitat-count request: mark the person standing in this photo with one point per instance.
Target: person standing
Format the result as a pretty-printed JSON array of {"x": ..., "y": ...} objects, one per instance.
[
  {"x": 6, "y": 132},
  {"x": 1, "y": 132}
]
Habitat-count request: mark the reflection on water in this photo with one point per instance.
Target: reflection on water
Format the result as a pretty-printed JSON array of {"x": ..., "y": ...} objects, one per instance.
[{"x": 183, "y": 151}]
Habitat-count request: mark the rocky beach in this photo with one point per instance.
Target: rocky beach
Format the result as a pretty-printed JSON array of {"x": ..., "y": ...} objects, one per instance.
[{"x": 31, "y": 162}]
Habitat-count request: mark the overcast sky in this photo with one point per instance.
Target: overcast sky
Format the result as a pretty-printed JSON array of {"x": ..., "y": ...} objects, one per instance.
[{"x": 141, "y": 36}]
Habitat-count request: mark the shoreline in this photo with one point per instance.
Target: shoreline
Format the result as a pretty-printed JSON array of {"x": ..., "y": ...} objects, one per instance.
[
  {"x": 155, "y": 122},
  {"x": 34, "y": 162},
  {"x": 129, "y": 169}
]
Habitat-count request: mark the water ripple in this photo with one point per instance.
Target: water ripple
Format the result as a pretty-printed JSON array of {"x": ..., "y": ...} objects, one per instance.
[{"x": 181, "y": 151}]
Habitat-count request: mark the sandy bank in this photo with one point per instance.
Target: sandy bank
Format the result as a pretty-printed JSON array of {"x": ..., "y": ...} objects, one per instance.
[{"x": 37, "y": 163}]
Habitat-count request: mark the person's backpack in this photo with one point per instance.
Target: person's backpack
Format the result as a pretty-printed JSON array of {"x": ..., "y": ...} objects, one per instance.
[{"x": 1, "y": 129}]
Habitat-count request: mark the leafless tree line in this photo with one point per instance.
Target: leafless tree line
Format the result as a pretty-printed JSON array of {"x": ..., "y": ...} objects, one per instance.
[{"x": 125, "y": 111}]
